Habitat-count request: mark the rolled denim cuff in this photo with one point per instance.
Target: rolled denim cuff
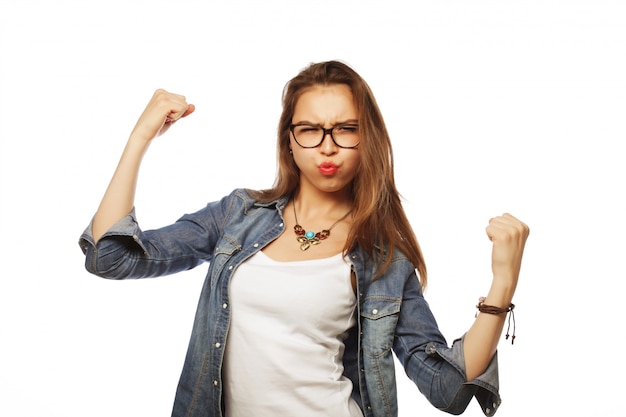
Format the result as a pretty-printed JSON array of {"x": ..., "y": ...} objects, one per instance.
[
  {"x": 485, "y": 387},
  {"x": 126, "y": 226},
  {"x": 102, "y": 258}
]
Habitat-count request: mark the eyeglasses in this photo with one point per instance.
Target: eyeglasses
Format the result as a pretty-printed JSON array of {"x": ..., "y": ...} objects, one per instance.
[{"x": 344, "y": 135}]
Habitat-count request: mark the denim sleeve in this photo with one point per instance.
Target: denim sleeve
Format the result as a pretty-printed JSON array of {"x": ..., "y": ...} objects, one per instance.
[
  {"x": 437, "y": 369},
  {"x": 450, "y": 379},
  {"x": 125, "y": 251}
]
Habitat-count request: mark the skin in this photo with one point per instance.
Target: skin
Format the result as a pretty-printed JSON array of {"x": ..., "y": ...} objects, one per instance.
[
  {"x": 321, "y": 200},
  {"x": 508, "y": 235},
  {"x": 163, "y": 110}
]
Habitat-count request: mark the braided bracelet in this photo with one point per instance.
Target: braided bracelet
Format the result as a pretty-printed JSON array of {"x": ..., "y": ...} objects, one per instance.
[{"x": 486, "y": 308}]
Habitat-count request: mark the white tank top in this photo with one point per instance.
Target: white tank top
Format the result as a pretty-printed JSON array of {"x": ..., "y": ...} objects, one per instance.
[{"x": 283, "y": 355}]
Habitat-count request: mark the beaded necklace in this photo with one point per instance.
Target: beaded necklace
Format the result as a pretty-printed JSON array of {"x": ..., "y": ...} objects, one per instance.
[{"x": 308, "y": 238}]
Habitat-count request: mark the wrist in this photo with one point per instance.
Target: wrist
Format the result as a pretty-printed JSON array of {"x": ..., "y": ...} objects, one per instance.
[
  {"x": 137, "y": 144},
  {"x": 501, "y": 293},
  {"x": 484, "y": 307},
  {"x": 138, "y": 138}
]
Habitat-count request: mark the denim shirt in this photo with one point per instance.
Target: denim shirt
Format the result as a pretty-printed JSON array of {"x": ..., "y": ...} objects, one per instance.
[{"x": 393, "y": 314}]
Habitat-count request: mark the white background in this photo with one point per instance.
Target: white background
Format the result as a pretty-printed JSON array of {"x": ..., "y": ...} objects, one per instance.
[{"x": 492, "y": 106}]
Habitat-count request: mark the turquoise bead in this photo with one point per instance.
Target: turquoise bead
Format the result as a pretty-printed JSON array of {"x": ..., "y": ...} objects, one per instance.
[{"x": 309, "y": 235}]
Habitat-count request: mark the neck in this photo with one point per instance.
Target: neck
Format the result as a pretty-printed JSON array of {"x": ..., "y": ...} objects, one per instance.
[
  {"x": 307, "y": 237},
  {"x": 320, "y": 204}
]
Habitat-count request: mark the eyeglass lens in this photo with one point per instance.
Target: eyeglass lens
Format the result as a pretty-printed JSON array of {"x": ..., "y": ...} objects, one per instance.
[{"x": 310, "y": 136}]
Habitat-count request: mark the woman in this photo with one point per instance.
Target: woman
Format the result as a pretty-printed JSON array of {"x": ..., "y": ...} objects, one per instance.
[{"x": 312, "y": 283}]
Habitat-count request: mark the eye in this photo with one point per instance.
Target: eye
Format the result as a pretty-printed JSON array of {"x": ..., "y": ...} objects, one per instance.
[
  {"x": 307, "y": 130},
  {"x": 347, "y": 128}
]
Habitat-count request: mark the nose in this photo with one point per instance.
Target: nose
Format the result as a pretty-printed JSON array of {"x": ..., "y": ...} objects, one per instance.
[{"x": 328, "y": 145}]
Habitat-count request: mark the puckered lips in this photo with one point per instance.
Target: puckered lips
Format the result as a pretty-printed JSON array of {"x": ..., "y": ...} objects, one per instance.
[{"x": 328, "y": 168}]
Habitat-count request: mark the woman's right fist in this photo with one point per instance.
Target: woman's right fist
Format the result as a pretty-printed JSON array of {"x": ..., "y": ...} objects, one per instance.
[{"x": 163, "y": 110}]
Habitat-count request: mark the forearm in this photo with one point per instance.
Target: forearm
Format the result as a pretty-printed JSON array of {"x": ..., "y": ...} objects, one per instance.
[
  {"x": 482, "y": 338},
  {"x": 163, "y": 110},
  {"x": 119, "y": 198},
  {"x": 508, "y": 235}
]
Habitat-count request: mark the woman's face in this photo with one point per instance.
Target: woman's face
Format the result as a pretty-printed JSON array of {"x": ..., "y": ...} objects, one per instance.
[{"x": 327, "y": 167}]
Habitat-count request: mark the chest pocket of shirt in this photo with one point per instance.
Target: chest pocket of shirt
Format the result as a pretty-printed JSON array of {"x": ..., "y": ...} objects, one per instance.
[
  {"x": 379, "y": 316},
  {"x": 223, "y": 253}
]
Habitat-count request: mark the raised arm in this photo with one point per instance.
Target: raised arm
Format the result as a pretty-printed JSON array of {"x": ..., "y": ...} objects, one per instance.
[
  {"x": 163, "y": 110},
  {"x": 508, "y": 235}
]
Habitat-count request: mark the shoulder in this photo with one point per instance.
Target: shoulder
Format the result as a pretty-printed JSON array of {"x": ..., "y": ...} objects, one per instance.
[
  {"x": 241, "y": 200},
  {"x": 400, "y": 266},
  {"x": 396, "y": 265},
  {"x": 249, "y": 198},
  {"x": 394, "y": 256},
  {"x": 240, "y": 197}
]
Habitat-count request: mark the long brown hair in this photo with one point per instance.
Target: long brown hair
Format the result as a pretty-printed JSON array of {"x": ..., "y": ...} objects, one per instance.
[{"x": 380, "y": 223}]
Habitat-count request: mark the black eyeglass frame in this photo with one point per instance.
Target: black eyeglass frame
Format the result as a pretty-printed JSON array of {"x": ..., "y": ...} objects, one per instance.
[{"x": 326, "y": 132}]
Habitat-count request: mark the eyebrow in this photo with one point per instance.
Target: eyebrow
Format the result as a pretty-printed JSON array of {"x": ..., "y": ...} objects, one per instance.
[{"x": 345, "y": 122}]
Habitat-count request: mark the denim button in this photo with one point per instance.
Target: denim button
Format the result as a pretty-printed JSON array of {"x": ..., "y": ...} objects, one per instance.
[
  {"x": 430, "y": 349},
  {"x": 230, "y": 268},
  {"x": 217, "y": 345},
  {"x": 374, "y": 311},
  {"x": 256, "y": 245},
  {"x": 224, "y": 305},
  {"x": 215, "y": 383}
]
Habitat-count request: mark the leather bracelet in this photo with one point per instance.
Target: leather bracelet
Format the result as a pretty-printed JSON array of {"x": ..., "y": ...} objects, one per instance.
[{"x": 489, "y": 309}]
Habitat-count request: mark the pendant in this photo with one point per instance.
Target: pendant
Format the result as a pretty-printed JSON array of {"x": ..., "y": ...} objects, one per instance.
[{"x": 306, "y": 239}]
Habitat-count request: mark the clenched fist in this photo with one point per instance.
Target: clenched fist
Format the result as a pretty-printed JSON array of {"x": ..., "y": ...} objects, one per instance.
[
  {"x": 163, "y": 110},
  {"x": 508, "y": 235}
]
